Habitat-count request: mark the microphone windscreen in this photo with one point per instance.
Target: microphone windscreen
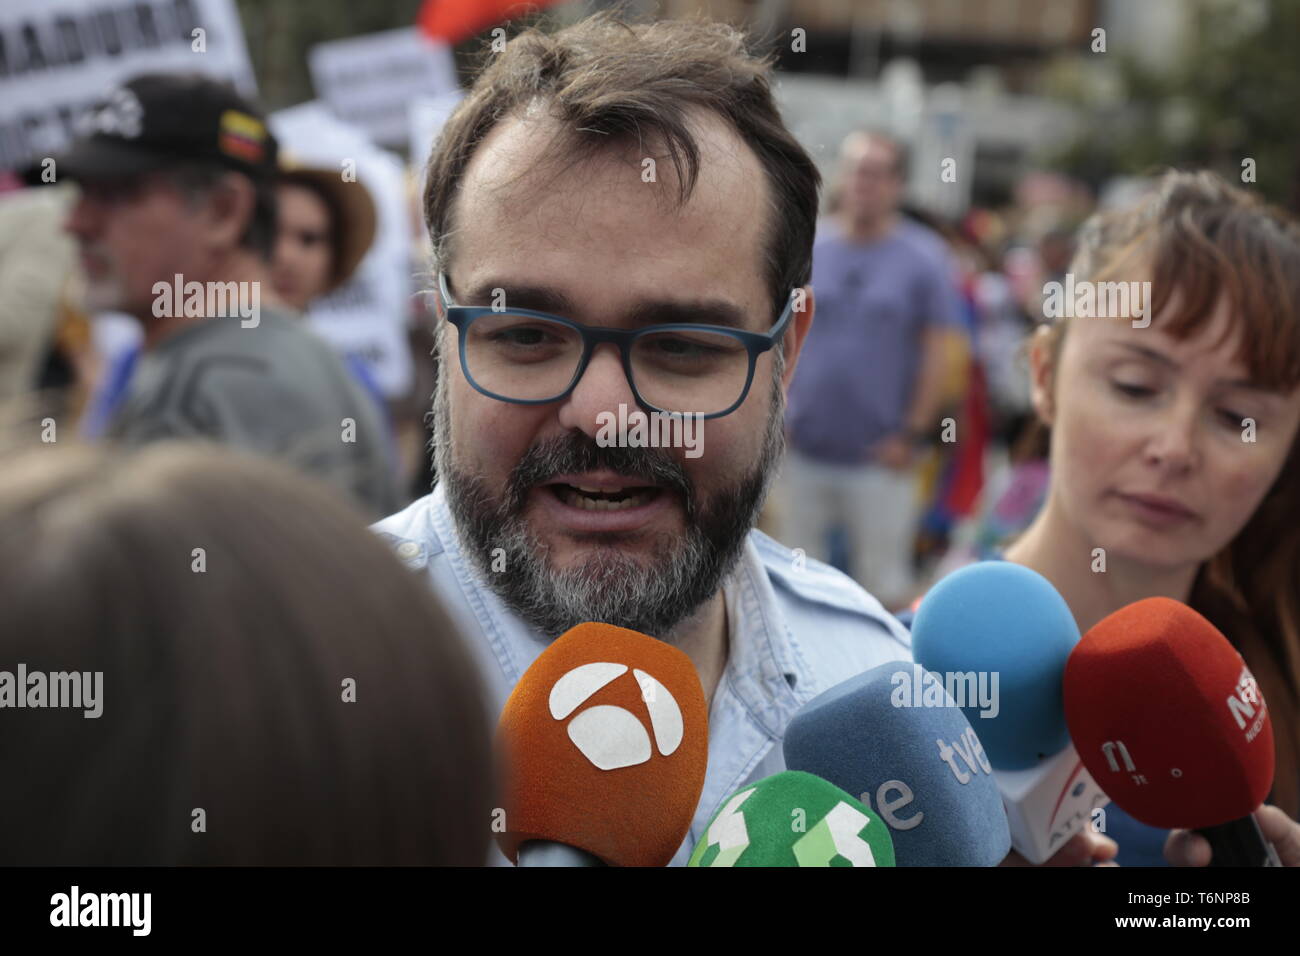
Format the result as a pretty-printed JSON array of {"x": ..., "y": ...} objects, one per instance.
[
  {"x": 893, "y": 737},
  {"x": 793, "y": 819},
  {"x": 605, "y": 739},
  {"x": 1006, "y": 625},
  {"x": 1167, "y": 717}
]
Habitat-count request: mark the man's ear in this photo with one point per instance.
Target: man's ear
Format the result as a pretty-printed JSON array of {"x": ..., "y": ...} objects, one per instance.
[
  {"x": 228, "y": 210},
  {"x": 797, "y": 331},
  {"x": 1042, "y": 373}
]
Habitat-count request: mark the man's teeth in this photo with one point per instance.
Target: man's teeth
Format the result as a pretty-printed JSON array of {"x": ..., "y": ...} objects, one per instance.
[{"x": 573, "y": 498}]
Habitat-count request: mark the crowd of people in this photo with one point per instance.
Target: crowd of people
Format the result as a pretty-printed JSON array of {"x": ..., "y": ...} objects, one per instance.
[{"x": 187, "y": 512}]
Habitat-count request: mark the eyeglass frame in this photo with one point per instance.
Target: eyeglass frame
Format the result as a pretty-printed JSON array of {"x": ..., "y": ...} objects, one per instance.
[{"x": 756, "y": 343}]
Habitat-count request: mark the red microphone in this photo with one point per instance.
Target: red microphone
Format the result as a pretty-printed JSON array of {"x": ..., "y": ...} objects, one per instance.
[
  {"x": 1170, "y": 722},
  {"x": 606, "y": 741}
]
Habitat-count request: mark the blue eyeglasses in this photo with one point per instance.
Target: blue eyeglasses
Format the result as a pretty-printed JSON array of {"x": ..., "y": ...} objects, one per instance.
[{"x": 533, "y": 358}]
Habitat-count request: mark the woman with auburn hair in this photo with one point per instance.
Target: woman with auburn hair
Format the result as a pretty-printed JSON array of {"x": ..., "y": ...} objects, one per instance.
[
  {"x": 1173, "y": 436},
  {"x": 255, "y": 679}
]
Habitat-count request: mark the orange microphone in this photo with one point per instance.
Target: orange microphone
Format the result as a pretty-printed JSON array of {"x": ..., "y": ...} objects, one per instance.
[
  {"x": 606, "y": 742},
  {"x": 1171, "y": 723}
]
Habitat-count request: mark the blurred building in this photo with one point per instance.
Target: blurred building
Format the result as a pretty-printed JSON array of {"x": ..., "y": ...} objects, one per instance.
[{"x": 959, "y": 80}]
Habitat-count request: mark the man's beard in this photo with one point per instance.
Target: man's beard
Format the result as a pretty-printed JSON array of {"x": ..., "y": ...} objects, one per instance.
[{"x": 604, "y": 584}]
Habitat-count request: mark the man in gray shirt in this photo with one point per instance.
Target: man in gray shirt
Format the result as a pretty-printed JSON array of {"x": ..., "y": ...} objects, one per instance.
[{"x": 175, "y": 225}]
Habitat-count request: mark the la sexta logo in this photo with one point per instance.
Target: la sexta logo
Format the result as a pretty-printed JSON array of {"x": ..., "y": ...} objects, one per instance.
[{"x": 613, "y": 737}]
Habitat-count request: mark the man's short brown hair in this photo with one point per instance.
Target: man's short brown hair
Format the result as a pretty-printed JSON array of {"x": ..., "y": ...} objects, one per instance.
[{"x": 609, "y": 81}]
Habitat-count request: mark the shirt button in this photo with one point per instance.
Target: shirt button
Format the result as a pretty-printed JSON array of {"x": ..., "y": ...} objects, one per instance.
[{"x": 408, "y": 549}]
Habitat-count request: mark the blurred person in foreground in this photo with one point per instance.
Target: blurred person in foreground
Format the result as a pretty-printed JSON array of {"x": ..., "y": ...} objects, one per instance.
[
  {"x": 868, "y": 395},
  {"x": 264, "y": 659},
  {"x": 536, "y": 201},
  {"x": 175, "y": 226}
]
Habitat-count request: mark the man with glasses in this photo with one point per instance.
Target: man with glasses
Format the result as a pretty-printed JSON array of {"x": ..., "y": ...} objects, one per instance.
[{"x": 619, "y": 217}]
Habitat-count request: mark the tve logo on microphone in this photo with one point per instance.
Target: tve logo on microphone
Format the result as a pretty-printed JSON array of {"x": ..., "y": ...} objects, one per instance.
[
  {"x": 971, "y": 752},
  {"x": 613, "y": 737}
]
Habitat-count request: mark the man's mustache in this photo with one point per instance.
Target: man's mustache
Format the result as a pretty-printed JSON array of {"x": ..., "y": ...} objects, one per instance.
[{"x": 576, "y": 452}]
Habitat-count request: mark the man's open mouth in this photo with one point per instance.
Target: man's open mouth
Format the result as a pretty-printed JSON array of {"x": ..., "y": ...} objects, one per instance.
[{"x": 597, "y": 499}]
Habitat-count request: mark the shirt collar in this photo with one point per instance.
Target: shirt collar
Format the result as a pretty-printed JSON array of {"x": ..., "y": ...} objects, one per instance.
[{"x": 764, "y": 665}]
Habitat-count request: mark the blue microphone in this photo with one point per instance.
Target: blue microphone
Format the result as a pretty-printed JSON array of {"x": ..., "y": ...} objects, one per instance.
[
  {"x": 896, "y": 739},
  {"x": 1003, "y": 627}
]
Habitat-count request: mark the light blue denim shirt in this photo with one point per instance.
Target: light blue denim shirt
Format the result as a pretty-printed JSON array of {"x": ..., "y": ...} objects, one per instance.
[{"x": 796, "y": 629}]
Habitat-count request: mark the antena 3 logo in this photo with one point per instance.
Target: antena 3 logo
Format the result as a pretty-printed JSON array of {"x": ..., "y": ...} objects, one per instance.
[{"x": 613, "y": 737}]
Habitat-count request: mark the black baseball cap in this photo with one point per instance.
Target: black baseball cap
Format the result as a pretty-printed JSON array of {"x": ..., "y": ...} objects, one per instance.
[{"x": 159, "y": 120}]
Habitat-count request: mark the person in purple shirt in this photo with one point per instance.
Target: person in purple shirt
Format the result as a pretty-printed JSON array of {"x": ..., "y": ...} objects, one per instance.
[{"x": 871, "y": 386}]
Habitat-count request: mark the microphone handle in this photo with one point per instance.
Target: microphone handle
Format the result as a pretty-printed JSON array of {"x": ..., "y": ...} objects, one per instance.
[
  {"x": 1239, "y": 843},
  {"x": 547, "y": 853}
]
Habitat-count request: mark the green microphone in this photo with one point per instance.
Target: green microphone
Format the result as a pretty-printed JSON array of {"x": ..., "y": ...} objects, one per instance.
[{"x": 794, "y": 819}]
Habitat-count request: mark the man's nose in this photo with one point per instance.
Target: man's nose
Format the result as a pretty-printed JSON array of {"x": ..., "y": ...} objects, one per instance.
[{"x": 602, "y": 388}]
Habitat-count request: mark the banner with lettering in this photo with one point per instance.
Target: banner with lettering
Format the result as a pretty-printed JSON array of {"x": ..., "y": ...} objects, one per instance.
[{"x": 59, "y": 57}]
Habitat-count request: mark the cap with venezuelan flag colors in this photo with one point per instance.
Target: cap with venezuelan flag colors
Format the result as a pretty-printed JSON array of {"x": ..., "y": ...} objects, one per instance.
[{"x": 164, "y": 119}]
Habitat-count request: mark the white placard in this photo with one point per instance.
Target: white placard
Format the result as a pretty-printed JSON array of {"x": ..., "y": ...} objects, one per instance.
[
  {"x": 58, "y": 58},
  {"x": 369, "y": 80}
]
